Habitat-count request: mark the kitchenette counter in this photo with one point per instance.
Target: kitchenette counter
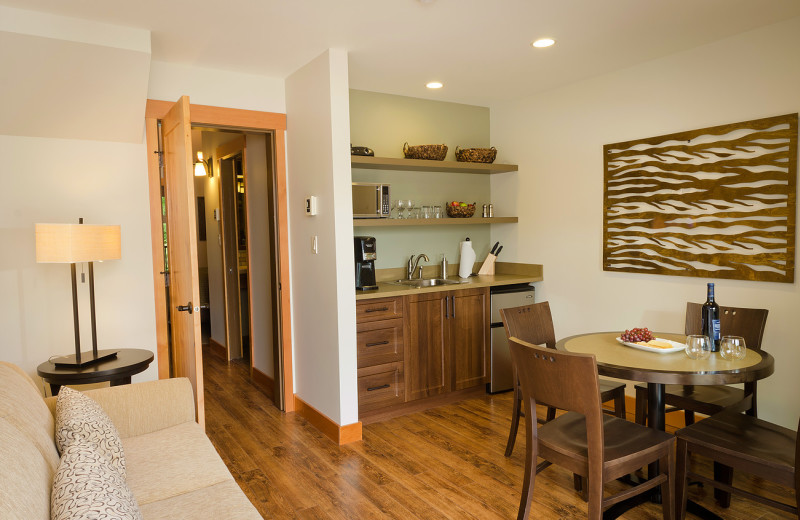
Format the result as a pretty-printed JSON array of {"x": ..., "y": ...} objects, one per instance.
[{"x": 506, "y": 274}]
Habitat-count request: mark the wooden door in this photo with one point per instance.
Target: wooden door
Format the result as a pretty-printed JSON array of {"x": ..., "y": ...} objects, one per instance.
[
  {"x": 469, "y": 337},
  {"x": 426, "y": 334},
  {"x": 184, "y": 293},
  {"x": 230, "y": 257}
]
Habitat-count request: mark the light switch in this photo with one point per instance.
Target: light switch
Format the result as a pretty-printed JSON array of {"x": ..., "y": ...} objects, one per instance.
[
  {"x": 315, "y": 245},
  {"x": 311, "y": 205}
]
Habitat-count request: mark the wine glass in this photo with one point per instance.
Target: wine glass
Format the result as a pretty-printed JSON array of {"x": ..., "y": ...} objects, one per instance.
[
  {"x": 732, "y": 348},
  {"x": 698, "y": 346},
  {"x": 400, "y": 205},
  {"x": 409, "y": 207}
]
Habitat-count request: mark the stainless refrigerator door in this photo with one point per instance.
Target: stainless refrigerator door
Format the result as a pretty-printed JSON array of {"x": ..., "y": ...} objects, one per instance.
[
  {"x": 501, "y": 377},
  {"x": 511, "y": 299}
]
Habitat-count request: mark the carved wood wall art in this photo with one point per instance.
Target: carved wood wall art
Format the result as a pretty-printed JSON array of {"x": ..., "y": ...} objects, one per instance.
[{"x": 714, "y": 203}]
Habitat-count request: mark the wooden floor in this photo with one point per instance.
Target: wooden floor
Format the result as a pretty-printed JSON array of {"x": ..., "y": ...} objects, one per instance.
[{"x": 442, "y": 463}]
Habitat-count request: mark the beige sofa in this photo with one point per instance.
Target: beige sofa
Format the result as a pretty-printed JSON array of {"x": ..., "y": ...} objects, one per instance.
[{"x": 173, "y": 469}]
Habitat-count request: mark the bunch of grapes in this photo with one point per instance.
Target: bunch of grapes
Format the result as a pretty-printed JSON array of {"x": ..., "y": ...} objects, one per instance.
[{"x": 636, "y": 335}]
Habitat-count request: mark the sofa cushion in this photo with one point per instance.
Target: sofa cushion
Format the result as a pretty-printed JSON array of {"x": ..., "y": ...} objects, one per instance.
[
  {"x": 80, "y": 420},
  {"x": 21, "y": 404},
  {"x": 26, "y": 477},
  {"x": 171, "y": 462},
  {"x": 223, "y": 500},
  {"x": 87, "y": 486}
]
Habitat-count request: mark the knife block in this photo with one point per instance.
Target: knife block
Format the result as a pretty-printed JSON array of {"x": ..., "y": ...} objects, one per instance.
[{"x": 488, "y": 265}]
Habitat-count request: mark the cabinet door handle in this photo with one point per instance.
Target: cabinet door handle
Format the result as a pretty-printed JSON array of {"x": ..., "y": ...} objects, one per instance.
[
  {"x": 370, "y": 389},
  {"x": 453, "y": 315},
  {"x": 446, "y": 307},
  {"x": 377, "y": 310},
  {"x": 378, "y": 343}
]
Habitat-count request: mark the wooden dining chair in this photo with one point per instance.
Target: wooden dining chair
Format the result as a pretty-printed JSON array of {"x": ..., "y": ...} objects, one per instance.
[
  {"x": 708, "y": 400},
  {"x": 534, "y": 324},
  {"x": 584, "y": 440},
  {"x": 746, "y": 444}
]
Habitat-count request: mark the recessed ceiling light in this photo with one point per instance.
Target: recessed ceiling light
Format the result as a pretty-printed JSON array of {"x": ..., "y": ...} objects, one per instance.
[
  {"x": 434, "y": 84},
  {"x": 543, "y": 42}
]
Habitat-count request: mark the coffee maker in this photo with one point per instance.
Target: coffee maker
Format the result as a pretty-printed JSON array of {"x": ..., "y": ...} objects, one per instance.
[{"x": 365, "y": 263}]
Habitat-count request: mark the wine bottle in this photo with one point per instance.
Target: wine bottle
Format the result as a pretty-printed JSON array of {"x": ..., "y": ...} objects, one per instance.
[{"x": 710, "y": 319}]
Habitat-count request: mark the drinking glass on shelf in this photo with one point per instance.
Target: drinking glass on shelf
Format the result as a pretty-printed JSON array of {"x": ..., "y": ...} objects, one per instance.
[
  {"x": 400, "y": 205},
  {"x": 437, "y": 211},
  {"x": 732, "y": 348},
  {"x": 413, "y": 210},
  {"x": 698, "y": 346},
  {"x": 427, "y": 211}
]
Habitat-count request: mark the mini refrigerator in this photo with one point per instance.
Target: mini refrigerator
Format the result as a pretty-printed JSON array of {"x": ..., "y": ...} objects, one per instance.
[{"x": 503, "y": 297}]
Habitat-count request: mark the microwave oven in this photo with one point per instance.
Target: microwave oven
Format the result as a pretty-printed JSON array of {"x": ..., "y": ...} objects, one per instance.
[{"x": 370, "y": 200}]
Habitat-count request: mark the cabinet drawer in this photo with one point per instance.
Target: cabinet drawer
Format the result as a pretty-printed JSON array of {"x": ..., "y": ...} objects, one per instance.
[
  {"x": 380, "y": 386},
  {"x": 380, "y": 342},
  {"x": 379, "y": 309}
]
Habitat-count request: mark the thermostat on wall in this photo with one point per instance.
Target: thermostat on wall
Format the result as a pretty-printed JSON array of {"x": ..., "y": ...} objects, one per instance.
[{"x": 311, "y": 205}]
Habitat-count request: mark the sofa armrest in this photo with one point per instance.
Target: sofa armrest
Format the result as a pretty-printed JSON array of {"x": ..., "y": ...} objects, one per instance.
[{"x": 141, "y": 408}]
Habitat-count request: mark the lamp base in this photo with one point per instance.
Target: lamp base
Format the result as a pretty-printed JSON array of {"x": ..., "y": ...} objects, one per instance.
[{"x": 87, "y": 359}]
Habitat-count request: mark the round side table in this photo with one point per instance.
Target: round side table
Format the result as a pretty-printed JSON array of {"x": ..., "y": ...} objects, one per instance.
[{"x": 117, "y": 371}]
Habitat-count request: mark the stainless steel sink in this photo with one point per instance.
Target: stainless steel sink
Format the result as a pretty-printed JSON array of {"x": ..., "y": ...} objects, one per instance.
[{"x": 429, "y": 282}]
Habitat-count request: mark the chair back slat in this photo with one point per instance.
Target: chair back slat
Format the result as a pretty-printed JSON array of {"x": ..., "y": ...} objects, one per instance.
[
  {"x": 561, "y": 379},
  {"x": 530, "y": 323},
  {"x": 733, "y": 321}
]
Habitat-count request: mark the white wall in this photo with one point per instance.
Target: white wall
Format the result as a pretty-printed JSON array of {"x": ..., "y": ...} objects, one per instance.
[
  {"x": 60, "y": 180},
  {"x": 49, "y": 179},
  {"x": 557, "y": 139},
  {"x": 169, "y": 81},
  {"x": 323, "y": 305}
]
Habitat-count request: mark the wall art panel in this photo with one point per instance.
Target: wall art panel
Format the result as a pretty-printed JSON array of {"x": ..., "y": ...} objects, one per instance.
[{"x": 714, "y": 203}]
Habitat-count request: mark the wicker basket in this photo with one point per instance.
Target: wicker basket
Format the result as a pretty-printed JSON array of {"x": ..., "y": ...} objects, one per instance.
[
  {"x": 430, "y": 152},
  {"x": 461, "y": 211},
  {"x": 478, "y": 155}
]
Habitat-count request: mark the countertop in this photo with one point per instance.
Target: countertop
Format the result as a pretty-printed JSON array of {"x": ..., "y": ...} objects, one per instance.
[{"x": 507, "y": 274}]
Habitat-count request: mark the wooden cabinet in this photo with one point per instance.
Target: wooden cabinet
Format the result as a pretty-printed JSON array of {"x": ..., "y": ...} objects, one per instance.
[
  {"x": 447, "y": 341},
  {"x": 427, "y": 334},
  {"x": 380, "y": 347},
  {"x": 470, "y": 338}
]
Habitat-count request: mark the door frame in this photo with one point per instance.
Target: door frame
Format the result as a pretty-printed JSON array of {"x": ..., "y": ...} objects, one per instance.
[{"x": 237, "y": 119}]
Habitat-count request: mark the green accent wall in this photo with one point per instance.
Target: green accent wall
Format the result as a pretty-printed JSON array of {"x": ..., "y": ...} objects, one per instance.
[{"x": 384, "y": 122}]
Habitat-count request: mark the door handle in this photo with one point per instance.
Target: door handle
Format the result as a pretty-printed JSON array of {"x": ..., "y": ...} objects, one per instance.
[{"x": 185, "y": 308}]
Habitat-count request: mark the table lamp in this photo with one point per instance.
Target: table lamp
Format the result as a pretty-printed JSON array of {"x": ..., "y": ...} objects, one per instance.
[{"x": 70, "y": 244}]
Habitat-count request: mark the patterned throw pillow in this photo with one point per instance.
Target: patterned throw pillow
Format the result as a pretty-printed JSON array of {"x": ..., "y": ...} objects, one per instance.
[
  {"x": 80, "y": 420},
  {"x": 86, "y": 487}
]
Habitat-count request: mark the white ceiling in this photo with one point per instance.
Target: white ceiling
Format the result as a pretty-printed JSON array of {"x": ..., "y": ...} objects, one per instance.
[{"x": 480, "y": 49}]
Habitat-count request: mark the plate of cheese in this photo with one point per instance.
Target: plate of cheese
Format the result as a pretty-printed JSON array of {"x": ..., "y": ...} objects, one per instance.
[{"x": 662, "y": 346}]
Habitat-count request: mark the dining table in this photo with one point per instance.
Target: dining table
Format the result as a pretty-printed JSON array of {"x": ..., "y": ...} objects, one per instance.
[{"x": 658, "y": 368}]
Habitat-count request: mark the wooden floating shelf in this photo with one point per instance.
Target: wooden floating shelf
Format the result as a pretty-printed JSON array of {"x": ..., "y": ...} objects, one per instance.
[
  {"x": 420, "y": 165},
  {"x": 391, "y": 222}
]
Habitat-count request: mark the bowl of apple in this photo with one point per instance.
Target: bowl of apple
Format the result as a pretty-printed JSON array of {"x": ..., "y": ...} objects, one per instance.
[{"x": 457, "y": 209}]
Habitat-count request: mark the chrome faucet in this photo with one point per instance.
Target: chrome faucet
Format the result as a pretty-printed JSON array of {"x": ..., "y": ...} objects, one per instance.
[{"x": 412, "y": 265}]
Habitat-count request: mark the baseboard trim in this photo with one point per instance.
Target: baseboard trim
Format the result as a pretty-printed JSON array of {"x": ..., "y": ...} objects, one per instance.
[
  {"x": 263, "y": 382},
  {"x": 218, "y": 349},
  {"x": 339, "y": 434}
]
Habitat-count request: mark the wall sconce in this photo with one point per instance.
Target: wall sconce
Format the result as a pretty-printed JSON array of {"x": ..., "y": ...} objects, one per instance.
[{"x": 203, "y": 168}]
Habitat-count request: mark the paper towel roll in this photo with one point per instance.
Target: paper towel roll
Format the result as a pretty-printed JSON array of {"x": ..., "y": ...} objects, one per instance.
[{"x": 467, "y": 260}]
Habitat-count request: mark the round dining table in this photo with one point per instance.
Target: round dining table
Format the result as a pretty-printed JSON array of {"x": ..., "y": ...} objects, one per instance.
[{"x": 659, "y": 368}]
